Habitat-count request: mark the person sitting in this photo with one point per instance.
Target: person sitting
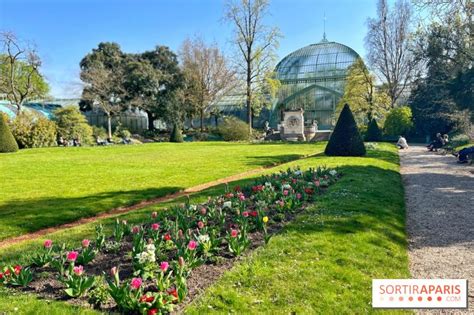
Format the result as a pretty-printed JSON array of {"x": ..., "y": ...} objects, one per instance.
[
  {"x": 402, "y": 143},
  {"x": 76, "y": 142},
  {"x": 464, "y": 154},
  {"x": 445, "y": 139},
  {"x": 100, "y": 141},
  {"x": 61, "y": 141},
  {"x": 436, "y": 143}
]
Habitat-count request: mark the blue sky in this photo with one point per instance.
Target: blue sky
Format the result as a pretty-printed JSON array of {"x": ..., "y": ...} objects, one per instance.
[{"x": 64, "y": 31}]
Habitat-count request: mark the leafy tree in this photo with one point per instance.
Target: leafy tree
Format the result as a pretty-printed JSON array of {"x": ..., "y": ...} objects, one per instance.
[
  {"x": 399, "y": 121},
  {"x": 207, "y": 68},
  {"x": 102, "y": 72},
  {"x": 345, "y": 139},
  {"x": 7, "y": 141},
  {"x": 20, "y": 79},
  {"x": 72, "y": 124},
  {"x": 171, "y": 102},
  {"x": 442, "y": 99},
  {"x": 360, "y": 91},
  {"x": 373, "y": 131},
  {"x": 255, "y": 44}
]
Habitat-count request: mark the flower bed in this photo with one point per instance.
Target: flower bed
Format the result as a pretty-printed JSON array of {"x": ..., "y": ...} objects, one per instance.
[{"x": 153, "y": 267}]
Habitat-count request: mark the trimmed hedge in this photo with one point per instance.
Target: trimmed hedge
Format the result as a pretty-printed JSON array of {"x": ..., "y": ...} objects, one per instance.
[
  {"x": 345, "y": 139},
  {"x": 7, "y": 141},
  {"x": 373, "y": 131}
]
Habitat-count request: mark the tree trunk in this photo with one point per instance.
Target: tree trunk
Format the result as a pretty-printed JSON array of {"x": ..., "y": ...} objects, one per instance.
[
  {"x": 249, "y": 88},
  {"x": 202, "y": 119},
  {"x": 151, "y": 120},
  {"x": 109, "y": 126}
]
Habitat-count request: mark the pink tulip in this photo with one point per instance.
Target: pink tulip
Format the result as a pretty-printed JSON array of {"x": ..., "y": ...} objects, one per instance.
[
  {"x": 242, "y": 197},
  {"x": 282, "y": 203},
  {"x": 245, "y": 213},
  {"x": 154, "y": 215},
  {"x": 317, "y": 183},
  {"x": 192, "y": 245},
  {"x": 234, "y": 233},
  {"x": 203, "y": 211},
  {"x": 48, "y": 244},
  {"x": 85, "y": 243},
  {"x": 113, "y": 271},
  {"x": 72, "y": 256},
  {"x": 298, "y": 196},
  {"x": 155, "y": 226},
  {"x": 164, "y": 266},
  {"x": 136, "y": 283},
  {"x": 78, "y": 270},
  {"x": 200, "y": 224},
  {"x": 285, "y": 192},
  {"x": 135, "y": 229}
]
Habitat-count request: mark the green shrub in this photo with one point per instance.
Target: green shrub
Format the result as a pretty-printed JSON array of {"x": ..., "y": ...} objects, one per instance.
[
  {"x": 460, "y": 140},
  {"x": 123, "y": 134},
  {"x": 7, "y": 141},
  {"x": 72, "y": 124},
  {"x": 373, "y": 131},
  {"x": 234, "y": 129},
  {"x": 399, "y": 121},
  {"x": 176, "y": 135},
  {"x": 99, "y": 132},
  {"x": 33, "y": 130},
  {"x": 345, "y": 139}
]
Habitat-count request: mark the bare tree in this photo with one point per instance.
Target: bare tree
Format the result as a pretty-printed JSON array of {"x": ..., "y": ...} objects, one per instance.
[
  {"x": 256, "y": 44},
  {"x": 103, "y": 87},
  {"x": 388, "y": 42},
  {"x": 20, "y": 79},
  {"x": 208, "y": 68}
]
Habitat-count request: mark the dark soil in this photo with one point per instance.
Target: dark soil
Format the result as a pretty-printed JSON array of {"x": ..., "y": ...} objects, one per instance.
[{"x": 47, "y": 286}]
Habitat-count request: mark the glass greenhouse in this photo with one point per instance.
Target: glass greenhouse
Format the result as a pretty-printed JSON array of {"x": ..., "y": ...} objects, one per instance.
[{"x": 313, "y": 78}]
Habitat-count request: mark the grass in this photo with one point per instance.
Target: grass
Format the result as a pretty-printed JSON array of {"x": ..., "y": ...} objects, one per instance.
[
  {"x": 321, "y": 263},
  {"x": 324, "y": 261},
  {"x": 47, "y": 187}
]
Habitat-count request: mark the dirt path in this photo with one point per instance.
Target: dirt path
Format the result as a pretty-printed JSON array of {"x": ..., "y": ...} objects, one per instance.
[
  {"x": 120, "y": 210},
  {"x": 439, "y": 196}
]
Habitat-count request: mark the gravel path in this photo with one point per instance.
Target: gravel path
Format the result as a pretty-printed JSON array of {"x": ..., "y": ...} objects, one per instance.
[{"x": 439, "y": 196}]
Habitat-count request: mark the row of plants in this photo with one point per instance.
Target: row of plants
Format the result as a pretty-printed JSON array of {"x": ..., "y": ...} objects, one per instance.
[{"x": 144, "y": 269}]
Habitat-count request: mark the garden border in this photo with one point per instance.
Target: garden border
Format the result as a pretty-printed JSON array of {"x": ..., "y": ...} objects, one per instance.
[{"x": 142, "y": 204}]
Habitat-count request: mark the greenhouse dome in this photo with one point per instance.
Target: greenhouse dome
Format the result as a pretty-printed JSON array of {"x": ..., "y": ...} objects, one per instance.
[{"x": 313, "y": 79}]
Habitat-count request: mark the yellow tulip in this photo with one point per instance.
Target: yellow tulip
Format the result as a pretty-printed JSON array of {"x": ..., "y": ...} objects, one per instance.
[{"x": 265, "y": 219}]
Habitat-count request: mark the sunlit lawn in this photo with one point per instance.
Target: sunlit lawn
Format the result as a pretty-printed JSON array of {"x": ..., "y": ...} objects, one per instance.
[
  {"x": 46, "y": 187},
  {"x": 322, "y": 263}
]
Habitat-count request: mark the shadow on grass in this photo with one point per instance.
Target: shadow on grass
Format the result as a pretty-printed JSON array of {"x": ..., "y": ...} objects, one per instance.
[{"x": 24, "y": 216}]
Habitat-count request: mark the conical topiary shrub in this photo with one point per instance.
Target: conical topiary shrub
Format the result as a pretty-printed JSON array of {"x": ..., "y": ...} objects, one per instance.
[
  {"x": 7, "y": 141},
  {"x": 373, "y": 131},
  {"x": 345, "y": 139},
  {"x": 176, "y": 135}
]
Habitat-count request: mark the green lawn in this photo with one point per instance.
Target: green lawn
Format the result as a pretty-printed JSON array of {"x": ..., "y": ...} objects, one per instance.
[
  {"x": 321, "y": 263},
  {"x": 46, "y": 187}
]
